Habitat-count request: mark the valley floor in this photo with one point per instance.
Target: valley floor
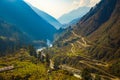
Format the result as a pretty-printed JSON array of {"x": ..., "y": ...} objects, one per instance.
[{"x": 22, "y": 66}]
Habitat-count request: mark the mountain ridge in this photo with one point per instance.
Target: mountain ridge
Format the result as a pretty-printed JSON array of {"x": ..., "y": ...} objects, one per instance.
[
  {"x": 93, "y": 43},
  {"x": 27, "y": 20},
  {"x": 11, "y": 38},
  {"x": 94, "y": 33},
  {"x": 77, "y": 13},
  {"x": 47, "y": 17}
]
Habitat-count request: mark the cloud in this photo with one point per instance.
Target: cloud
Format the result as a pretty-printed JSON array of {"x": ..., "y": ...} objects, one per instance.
[
  {"x": 84, "y": 2},
  {"x": 87, "y": 3},
  {"x": 75, "y": 3},
  {"x": 93, "y": 2},
  {"x": 57, "y": 8}
]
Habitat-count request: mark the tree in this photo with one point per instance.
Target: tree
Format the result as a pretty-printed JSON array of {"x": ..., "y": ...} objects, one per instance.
[
  {"x": 97, "y": 77},
  {"x": 56, "y": 65},
  {"x": 115, "y": 68},
  {"x": 86, "y": 74},
  {"x": 39, "y": 56},
  {"x": 47, "y": 59},
  {"x": 1, "y": 77},
  {"x": 32, "y": 51}
]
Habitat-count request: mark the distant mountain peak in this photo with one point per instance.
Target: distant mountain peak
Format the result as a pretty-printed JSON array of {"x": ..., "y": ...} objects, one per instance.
[
  {"x": 51, "y": 20},
  {"x": 77, "y": 13},
  {"x": 101, "y": 29}
]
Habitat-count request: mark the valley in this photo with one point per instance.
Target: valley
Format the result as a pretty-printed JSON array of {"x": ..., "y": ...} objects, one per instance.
[{"x": 83, "y": 44}]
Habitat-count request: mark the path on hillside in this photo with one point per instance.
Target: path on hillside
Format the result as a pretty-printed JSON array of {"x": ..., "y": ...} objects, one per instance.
[
  {"x": 72, "y": 48},
  {"x": 77, "y": 73},
  {"x": 80, "y": 46},
  {"x": 84, "y": 42},
  {"x": 99, "y": 69},
  {"x": 97, "y": 65},
  {"x": 74, "y": 71}
]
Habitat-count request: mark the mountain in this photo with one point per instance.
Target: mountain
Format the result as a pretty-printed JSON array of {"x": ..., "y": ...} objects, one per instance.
[
  {"x": 17, "y": 12},
  {"x": 107, "y": 34},
  {"x": 47, "y": 17},
  {"x": 87, "y": 50},
  {"x": 100, "y": 28},
  {"x": 77, "y": 13},
  {"x": 72, "y": 23},
  {"x": 93, "y": 43},
  {"x": 11, "y": 38}
]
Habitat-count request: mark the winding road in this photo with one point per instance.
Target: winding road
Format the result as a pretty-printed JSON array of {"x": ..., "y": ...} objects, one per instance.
[
  {"x": 84, "y": 42},
  {"x": 86, "y": 60},
  {"x": 73, "y": 48},
  {"x": 99, "y": 69},
  {"x": 75, "y": 72}
]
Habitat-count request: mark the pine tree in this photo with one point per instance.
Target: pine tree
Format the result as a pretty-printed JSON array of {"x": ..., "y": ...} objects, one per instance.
[
  {"x": 86, "y": 75},
  {"x": 97, "y": 77}
]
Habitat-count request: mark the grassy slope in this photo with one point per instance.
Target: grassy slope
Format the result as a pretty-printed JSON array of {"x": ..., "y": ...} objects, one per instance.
[
  {"x": 29, "y": 68},
  {"x": 108, "y": 35},
  {"x": 104, "y": 41},
  {"x": 102, "y": 35}
]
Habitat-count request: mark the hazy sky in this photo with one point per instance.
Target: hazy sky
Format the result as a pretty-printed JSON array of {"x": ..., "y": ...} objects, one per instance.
[{"x": 56, "y": 8}]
